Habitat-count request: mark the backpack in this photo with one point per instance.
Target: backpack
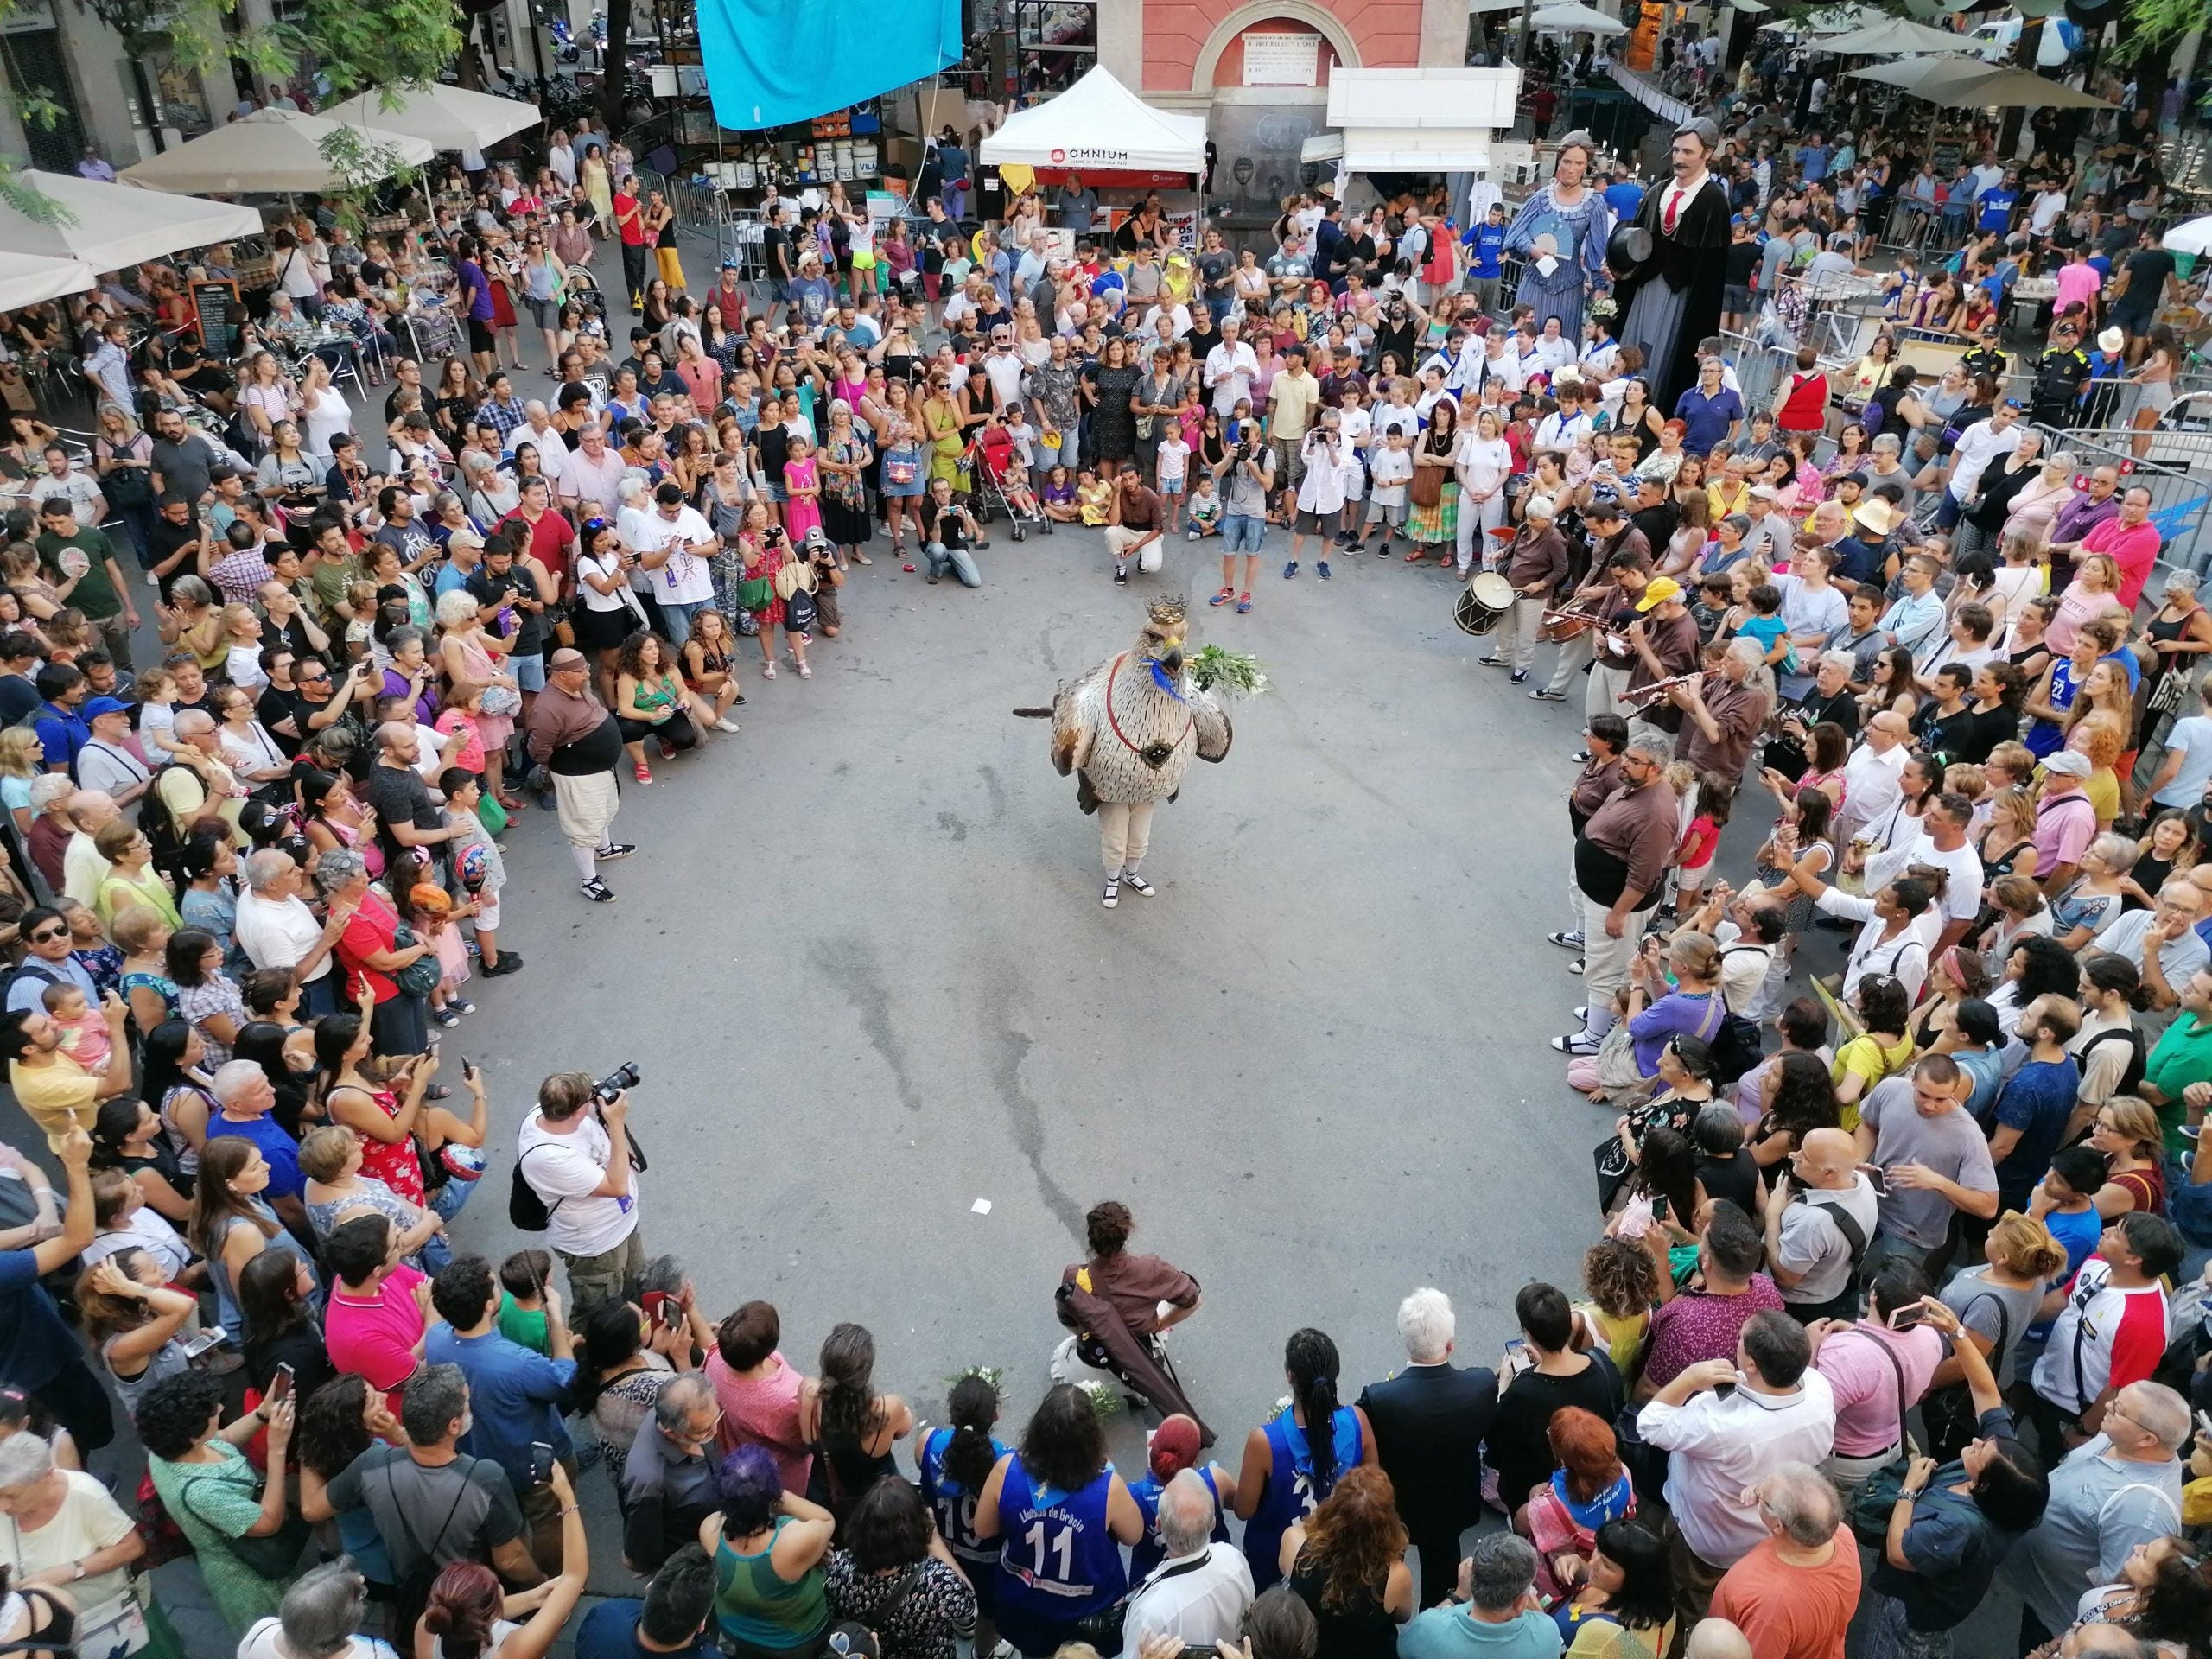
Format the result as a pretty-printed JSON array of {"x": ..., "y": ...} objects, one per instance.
[
  {"x": 31, "y": 967},
  {"x": 526, "y": 1211},
  {"x": 412, "y": 1594}
]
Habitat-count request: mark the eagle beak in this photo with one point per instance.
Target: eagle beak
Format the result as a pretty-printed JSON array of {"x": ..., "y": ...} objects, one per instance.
[{"x": 1173, "y": 661}]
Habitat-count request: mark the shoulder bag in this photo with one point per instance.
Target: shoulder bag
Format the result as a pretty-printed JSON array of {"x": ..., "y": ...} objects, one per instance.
[
  {"x": 421, "y": 976},
  {"x": 1870, "y": 1505},
  {"x": 1102, "y": 1626},
  {"x": 1948, "y": 1413},
  {"x": 1427, "y": 489}
]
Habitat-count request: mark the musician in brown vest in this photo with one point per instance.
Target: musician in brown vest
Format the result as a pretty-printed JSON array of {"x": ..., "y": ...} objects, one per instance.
[
  {"x": 1664, "y": 644},
  {"x": 1536, "y": 564}
]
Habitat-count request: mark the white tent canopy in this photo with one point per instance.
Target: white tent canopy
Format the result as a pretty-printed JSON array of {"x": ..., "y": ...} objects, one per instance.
[
  {"x": 1577, "y": 19},
  {"x": 451, "y": 117},
  {"x": 2193, "y": 238},
  {"x": 1964, "y": 83},
  {"x": 110, "y": 226},
  {"x": 25, "y": 278},
  {"x": 1439, "y": 120},
  {"x": 272, "y": 151},
  {"x": 1099, "y": 123},
  {"x": 1892, "y": 37}
]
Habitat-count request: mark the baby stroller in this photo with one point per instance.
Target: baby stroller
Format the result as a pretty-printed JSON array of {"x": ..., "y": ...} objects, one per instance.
[{"x": 989, "y": 470}]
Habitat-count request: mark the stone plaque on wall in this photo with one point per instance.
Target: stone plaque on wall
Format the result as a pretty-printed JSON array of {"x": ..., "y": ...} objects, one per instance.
[{"x": 1274, "y": 59}]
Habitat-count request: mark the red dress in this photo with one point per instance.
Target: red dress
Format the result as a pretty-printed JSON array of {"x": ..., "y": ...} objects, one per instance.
[
  {"x": 393, "y": 1162},
  {"x": 503, "y": 303}
]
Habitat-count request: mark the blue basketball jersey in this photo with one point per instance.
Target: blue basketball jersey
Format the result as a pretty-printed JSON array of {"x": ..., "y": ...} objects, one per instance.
[
  {"x": 1056, "y": 1560},
  {"x": 1150, "y": 1553},
  {"x": 953, "y": 1505},
  {"x": 1291, "y": 1493}
]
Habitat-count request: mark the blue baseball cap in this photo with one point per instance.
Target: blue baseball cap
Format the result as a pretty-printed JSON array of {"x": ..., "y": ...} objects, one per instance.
[{"x": 95, "y": 707}]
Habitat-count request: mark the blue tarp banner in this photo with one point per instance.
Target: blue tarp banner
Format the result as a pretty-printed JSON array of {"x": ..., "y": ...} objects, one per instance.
[{"x": 772, "y": 62}]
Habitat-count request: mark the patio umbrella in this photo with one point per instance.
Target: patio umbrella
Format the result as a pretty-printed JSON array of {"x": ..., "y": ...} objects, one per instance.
[
  {"x": 25, "y": 278},
  {"x": 1892, "y": 37},
  {"x": 2193, "y": 238},
  {"x": 273, "y": 152},
  {"x": 1577, "y": 19},
  {"x": 1964, "y": 83},
  {"x": 108, "y": 226},
  {"x": 451, "y": 117}
]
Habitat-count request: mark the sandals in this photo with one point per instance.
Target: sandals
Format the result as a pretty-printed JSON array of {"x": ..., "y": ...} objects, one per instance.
[
  {"x": 510, "y": 802},
  {"x": 767, "y": 671},
  {"x": 862, "y": 558},
  {"x": 645, "y": 773},
  {"x": 804, "y": 672}
]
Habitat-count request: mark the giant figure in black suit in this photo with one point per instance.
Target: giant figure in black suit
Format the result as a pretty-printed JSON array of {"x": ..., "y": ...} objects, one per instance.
[
  {"x": 1429, "y": 1420},
  {"x": 1668, "y": 281}
]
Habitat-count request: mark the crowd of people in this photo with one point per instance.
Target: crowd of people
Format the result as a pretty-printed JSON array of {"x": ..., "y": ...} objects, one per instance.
[{"x": 1875, "y": 1319}]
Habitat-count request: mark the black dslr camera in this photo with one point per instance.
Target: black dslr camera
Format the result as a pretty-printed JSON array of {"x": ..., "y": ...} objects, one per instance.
[{"x": 623, "y": 1077}]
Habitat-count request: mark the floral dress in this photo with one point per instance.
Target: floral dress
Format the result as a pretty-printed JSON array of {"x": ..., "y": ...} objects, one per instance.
[
  {"x": 844, "y": 499},
  {"x": 761, "y": 565},
  {"x": 393, "y": 1162}
]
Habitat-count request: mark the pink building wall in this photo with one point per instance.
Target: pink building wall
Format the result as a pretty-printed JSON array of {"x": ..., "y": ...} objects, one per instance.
[{"x": 1385, "y": 33}]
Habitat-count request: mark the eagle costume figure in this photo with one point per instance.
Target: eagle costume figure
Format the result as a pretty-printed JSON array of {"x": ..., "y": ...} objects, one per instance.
[{"x": 1128, "y": 729}]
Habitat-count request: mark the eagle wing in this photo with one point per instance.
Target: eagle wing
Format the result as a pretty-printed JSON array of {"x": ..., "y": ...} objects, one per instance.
[
  {"x": 1073, "y": 724},
  {"x": 1214, "y": 733}
]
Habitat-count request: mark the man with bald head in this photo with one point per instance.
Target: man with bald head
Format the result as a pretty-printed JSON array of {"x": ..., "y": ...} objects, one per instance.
[
  {"x": 2118, "y": 1489},
  {"x": 408, "y": 813},
  {"x": 83, "y": 869},
  {"x": 1819, "y": 1222},
  {"x": 1200, "y": 1590},
  {"x": 1874, "y": 777},
  {"x": 538, "y": 431}
]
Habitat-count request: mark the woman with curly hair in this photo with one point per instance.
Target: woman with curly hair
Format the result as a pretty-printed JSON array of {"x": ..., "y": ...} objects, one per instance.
[
  {"x": 650, "y": 700},
  {"x": 1347, "y": 1562},
  {"x": 1589, "y": 1492},
  {"x": 2162, "y": 1599},
  {"x": 235, "y": 1516},
  {"x": 854, "y": 1426},
  {"x": 1800, "y": 1098},
  {"x": 894, "y": 1572},
  {"x": 339, "y": 1422},
  {"x": 1624, "y": 1283}
]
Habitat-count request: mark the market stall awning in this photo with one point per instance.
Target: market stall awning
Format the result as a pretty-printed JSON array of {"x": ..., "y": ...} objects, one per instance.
[
  {"x": 1577, "y": 19},
  {"x": 110, "y": 226},
  {"x": 1099, "y": 123},
  {"x": 273, "y": 151},
  {"x": 1892, "y": 37},
  {"x": 1667, "y": 109},
  {"x": 1439, "y": 120},
  {"x": 1965, "y": 83},
  {"x": 25, "y": 278},
  {"x": 452, "y": 117}
]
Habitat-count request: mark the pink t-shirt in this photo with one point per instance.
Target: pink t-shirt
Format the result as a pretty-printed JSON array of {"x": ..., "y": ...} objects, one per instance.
[
  {"x": 763, "y": 1411},
  {"x": 2133, "y": 548},
  {"x": 471, "y": 758},
  {"x": 1865, "y": 1384},
  {"x": 377, "y": 1336},
  {"x": 2077, "y": 284}
]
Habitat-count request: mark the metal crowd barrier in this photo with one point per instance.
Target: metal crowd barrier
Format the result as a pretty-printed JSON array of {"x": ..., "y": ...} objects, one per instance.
[{"x": 2175, "y": 467}]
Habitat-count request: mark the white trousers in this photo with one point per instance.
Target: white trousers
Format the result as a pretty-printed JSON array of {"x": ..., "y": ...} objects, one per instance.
[{"x": 1124, "y": 833}]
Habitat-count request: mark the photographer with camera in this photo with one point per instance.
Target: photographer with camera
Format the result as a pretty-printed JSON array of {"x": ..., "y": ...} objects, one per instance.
[
  {"x": 1247, "y": 476},
  {"x": 574, "y": 1153}
]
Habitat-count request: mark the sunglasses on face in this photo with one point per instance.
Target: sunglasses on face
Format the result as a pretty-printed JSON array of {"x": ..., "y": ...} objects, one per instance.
[{"x": 48, "y": 935}]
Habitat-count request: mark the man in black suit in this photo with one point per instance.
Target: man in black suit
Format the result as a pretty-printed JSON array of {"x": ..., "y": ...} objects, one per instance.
[{"x": 1429, "y": 1421}]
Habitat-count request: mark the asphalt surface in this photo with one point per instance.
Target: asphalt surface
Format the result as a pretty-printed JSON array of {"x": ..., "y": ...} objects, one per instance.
[{"x": 859, "y": 957}]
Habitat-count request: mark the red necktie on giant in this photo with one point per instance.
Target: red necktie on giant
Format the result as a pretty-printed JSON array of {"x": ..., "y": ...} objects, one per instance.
[{"x": 1674, "y": 207}]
